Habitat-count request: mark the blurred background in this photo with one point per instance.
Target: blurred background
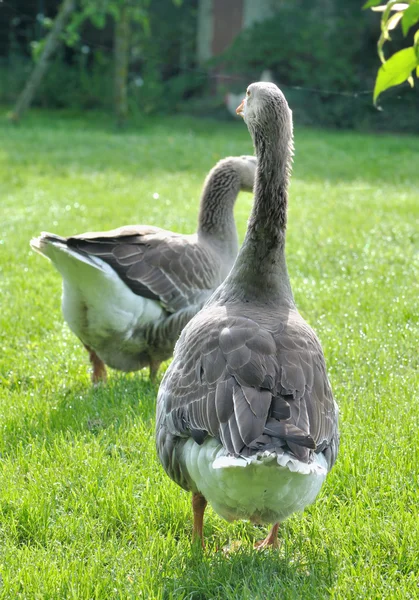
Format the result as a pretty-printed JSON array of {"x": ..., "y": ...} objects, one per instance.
[
  {"x": 193, "y": 56},
  {"x": 85, "y": 509}
]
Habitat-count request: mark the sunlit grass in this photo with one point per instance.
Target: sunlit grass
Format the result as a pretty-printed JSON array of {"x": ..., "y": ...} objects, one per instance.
[{"x": 85, "y": 508}]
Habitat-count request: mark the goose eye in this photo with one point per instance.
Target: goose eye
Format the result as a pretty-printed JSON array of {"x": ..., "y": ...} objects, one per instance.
[{"x": 247, "y": 93}]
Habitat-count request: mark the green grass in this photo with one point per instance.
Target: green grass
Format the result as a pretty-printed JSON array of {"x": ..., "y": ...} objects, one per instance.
[{"x": 85, "y": 508}]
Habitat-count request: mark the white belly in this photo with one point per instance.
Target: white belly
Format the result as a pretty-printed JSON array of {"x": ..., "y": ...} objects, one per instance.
[
  {"x": 264, "y": 489},
  {"x": 96, "y": 303},
  {"x": 99, "y": 309}
]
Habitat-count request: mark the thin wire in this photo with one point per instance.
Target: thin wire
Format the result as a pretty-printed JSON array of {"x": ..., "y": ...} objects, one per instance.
[
  {"x": 301, "y": 88},
  {"x": 331, "y": 92}
]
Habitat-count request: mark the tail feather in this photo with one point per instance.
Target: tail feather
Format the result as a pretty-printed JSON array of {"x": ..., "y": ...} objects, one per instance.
[
  {"x": 282, "y": 458},
  {"x": 56, "y": 249},
  {"x": 39, "y": 243}
]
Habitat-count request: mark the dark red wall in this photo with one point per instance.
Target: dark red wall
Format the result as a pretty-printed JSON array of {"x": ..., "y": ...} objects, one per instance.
[{"x": 228, "y": 21}]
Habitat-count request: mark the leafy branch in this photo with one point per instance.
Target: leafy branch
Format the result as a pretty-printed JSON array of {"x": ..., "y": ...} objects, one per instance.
[{"x": 399, "y": 67}]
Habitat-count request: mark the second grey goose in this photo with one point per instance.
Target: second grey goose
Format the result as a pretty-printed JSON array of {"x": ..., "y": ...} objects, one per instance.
[
  {"x": 246, "y": 418},
  {"x": 127, "y": 293}
]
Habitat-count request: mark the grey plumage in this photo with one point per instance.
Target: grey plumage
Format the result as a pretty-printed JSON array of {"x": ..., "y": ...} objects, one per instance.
[
  {"x": 177, "y": 273},
  {"x": 257, "y": 385},
  {"x": 248, "y": 371}
]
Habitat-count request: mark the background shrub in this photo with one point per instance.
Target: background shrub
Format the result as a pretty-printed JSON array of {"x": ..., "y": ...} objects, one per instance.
[{"x": 322, "y": 54}]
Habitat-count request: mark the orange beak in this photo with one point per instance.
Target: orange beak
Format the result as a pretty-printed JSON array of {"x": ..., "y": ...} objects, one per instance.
[{"x": 240, "y": 109}]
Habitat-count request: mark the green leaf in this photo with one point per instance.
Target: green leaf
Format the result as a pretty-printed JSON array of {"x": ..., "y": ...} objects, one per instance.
[
  {"x": 391, "y": 5},
  {"x": 393, "y": 20},
  {"x": 371, "y": 3},
  {"x": 98, "y": 20},
  {"x": 388, "y": 23},
  {"x": 395, "y": 70},
  {"x": 37, "y": 48},
  {"x": 47, "y": 22},
  {"x": 115, "y": 11},
  {"x": 410, "y": 17},
  {"x": 387, "y": 26}
]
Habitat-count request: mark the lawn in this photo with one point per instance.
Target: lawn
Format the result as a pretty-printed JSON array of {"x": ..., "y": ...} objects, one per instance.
[{"x": 86, "y": 511}]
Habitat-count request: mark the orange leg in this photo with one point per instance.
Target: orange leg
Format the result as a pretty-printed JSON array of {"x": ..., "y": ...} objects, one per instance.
[
  {"x": 199, "y": 504},
  {"x": 99, "y": 374},
  {"x": 154, "y": 367},
  {"x": 270, "y": 540}
]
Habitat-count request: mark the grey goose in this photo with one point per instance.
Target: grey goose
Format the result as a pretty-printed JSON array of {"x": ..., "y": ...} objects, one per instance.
[
  {"x": 127, "y": 293},
  {"x": 246, "y": 419}
]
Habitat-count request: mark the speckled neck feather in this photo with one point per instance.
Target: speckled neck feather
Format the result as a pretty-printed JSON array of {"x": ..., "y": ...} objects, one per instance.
[
  {"x": 260, "y": 268},
  {"x": 221, "y": 188}
]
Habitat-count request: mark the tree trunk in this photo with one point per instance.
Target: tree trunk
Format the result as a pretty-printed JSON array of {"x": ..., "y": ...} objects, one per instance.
[
  {"x": 121, "y": 53},
  {"x": 52, "y": 42}
]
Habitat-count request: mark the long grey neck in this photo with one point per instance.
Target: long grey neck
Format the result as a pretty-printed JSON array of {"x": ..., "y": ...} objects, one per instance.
[
  {"x": 260, "y": 269},
  {"x": 216, "y": 216}
]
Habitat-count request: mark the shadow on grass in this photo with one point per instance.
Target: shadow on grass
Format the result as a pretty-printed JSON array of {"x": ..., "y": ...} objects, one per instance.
[
  {"x": 83, "y": 409},
  {"x": 295, "y": 571}
]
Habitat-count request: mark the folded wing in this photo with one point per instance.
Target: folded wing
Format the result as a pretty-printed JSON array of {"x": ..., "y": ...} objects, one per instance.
[
  {"x": 154, "y": 263},
  {"x": 251, "y": 388}
]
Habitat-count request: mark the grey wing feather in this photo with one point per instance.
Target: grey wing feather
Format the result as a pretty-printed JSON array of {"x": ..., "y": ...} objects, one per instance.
[
  {"x": 258, "y": 389},
  {"x": 154, "y": 263},
  {"x": 315, "y": 411},
  {"x": 224, "y": 404},
  {"x": 250, "y": 425}
]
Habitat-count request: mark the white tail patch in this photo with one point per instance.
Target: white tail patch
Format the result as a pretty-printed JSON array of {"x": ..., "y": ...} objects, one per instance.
[
  {"x": 284, "y": 459},
  {"x": 58, "y": 252},
  {"x": 265, "y": 488},
  {"x": 95, "y": 299}
]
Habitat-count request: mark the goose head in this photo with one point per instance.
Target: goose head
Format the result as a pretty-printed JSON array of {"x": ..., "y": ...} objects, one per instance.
[{"x": 265, "y": 109}]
